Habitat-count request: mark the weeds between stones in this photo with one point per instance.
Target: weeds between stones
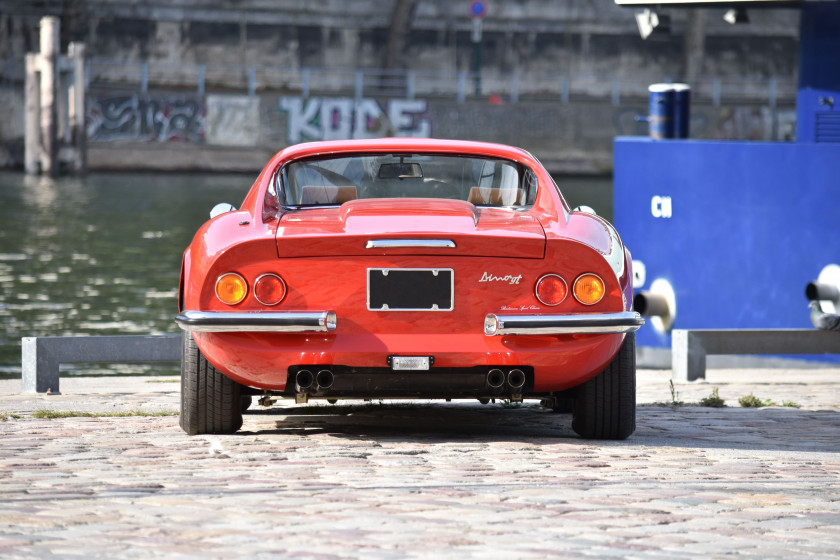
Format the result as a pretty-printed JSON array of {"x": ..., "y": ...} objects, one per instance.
[
  {"x": 675, "y": 402},
  {"x": 713, "y": 400},
  {"x": 52, "y": 414},
  {"x": 751, "y": 401}
]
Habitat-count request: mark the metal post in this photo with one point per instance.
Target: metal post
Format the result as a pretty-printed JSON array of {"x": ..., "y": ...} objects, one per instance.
[
  {"x": 41, "y": 357},
  {"x": 716, "y": 93},
  {"x": 616, "y": 92},
  {"x": 39, "y": 368},
  {"x": 514, "y": 88},
  {"x": 564, "y": 90},
  {"x": 144, "y": 77},
  {"x": 252, "y": 81},
  {"x": 32, "y": 142},
  {"x": 304, "y": 82},
  {"x": 462, "y": 86},
  {"x": 200, "y": 89},
  {"x": 477, "y": 42},
  {"x": 49, "y": 74},
  {"x": 359, "y": 85},
  {"x": 773, "y": 97},
  {"x": 410, "y": 85},
  {"x": 688, "y": 356}
]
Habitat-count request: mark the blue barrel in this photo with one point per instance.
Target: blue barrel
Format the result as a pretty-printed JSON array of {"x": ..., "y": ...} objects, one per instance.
[
  {"x": 661, "y": 112},
  {"x": 682, "y": 110}
]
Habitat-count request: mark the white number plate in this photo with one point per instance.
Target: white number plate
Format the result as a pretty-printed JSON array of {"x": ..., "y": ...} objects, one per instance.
[{"x": 410, "y": 363}]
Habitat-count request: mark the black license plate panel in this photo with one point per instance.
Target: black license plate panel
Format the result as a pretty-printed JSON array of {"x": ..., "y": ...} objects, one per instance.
[{"x": 410, "y": 289}]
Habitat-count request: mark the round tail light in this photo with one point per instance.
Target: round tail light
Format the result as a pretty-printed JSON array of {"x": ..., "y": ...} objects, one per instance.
[
  {"x": 589, "y": 289},
  {"x": 231, "y": 288},
  {"x": 551, "y": 289},
  {"x": 269, "y": 289}
]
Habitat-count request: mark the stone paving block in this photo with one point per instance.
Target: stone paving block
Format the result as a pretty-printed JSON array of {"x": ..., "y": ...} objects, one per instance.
[{"x": 455, "y": 480}]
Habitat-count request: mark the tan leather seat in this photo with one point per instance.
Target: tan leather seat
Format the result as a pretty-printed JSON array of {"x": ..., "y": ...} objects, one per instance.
[
  {"x": 327, "y": 194},
  {"x": 496, "y": 197}
]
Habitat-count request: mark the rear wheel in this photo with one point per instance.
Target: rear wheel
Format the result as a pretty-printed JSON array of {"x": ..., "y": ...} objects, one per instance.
[
  {"x": 210, "y": 402},
  {"x": 605, "y": 406}
]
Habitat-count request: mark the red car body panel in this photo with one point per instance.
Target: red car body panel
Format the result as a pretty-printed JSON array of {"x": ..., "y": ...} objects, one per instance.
[{"x": 322, "y": 255}]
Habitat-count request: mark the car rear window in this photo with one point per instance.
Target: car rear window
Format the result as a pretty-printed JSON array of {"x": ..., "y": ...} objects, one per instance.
[{"x": 336, "y": 180}]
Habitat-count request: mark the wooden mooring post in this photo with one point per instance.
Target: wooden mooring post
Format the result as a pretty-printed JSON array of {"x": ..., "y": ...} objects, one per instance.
[{"x": 55, "y": 132}]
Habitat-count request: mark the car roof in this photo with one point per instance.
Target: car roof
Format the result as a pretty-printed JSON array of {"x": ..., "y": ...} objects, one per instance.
[{"x": 413, "y": 145}]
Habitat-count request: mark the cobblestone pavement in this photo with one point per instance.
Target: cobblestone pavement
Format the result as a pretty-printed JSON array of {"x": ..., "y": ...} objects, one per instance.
[{"x": 447, "y": 480}]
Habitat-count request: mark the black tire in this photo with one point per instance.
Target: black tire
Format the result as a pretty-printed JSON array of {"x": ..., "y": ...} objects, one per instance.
[
  {"x": 210, "y": 402},
  {"x": 605, "y": 406}
]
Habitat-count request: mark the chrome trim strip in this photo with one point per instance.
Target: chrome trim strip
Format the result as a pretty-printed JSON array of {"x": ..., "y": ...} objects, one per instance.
[
  {"x": 587, "y": 323},
  {"x": 410, "y": 243},
  {"x": 287, "y": 321}
]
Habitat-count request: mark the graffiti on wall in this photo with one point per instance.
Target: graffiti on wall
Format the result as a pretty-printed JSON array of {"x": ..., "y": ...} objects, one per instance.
[
  {"x": 329, "y": 118},
  {"x": 145, "y": 118}
]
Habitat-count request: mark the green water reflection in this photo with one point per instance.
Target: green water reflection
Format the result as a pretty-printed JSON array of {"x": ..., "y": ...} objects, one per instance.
[{"x": 101, "y": 255}]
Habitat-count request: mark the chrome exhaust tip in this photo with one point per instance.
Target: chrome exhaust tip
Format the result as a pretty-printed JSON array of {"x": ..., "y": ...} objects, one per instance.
[
  {"x": 325, "y": 379},
  {"x": 516, "y": 378},
  {"x": 495, "y": 378},
  {"x": 304, "y": 379}
]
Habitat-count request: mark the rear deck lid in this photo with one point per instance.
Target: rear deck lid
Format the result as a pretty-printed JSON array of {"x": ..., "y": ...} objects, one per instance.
[{"x": 410, "y": 227}]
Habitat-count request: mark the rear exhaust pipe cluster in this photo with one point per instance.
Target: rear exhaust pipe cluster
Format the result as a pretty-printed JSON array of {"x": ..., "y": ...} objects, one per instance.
[
  {"x": 324, "y": 379},
  {"x": 304, "y": 379},
  {"x": 496, "y": 379},
  {"x": 516, "y": 379},
  {"x": 307, "y": 381}
]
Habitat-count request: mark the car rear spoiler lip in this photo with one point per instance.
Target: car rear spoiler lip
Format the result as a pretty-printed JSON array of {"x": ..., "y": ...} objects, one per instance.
[
  {"x": 284, "y": 321},
  {"x": 496, "y": 324}
]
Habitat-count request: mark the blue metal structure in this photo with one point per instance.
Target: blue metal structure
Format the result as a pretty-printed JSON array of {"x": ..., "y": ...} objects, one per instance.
[{"x": 739, "y": 228}]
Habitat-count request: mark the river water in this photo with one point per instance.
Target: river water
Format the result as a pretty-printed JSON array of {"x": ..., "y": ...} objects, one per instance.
[{"x": 101, "y": 254}]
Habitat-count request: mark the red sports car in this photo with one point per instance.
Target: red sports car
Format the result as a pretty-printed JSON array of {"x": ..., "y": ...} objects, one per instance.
[{"x": 407, "y": 268}]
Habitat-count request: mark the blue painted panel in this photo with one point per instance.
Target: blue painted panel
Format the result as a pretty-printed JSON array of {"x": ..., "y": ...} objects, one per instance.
[
  {"x": 819, "y": 46},
  {"x": 818, "y": 115},
  {"x": 818, "y": 100},
  {"x": 751, "y": 224}
]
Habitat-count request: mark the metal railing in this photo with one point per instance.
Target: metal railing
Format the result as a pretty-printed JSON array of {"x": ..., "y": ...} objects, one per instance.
[
  {"x": 509, "y": 87},
  {"x": 512, "y": 87}
]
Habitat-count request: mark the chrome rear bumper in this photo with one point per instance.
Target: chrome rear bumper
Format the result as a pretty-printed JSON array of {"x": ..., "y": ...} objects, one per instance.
[
  {"x": 286, "y": 322},
  {"x": 593, "y": 323}
]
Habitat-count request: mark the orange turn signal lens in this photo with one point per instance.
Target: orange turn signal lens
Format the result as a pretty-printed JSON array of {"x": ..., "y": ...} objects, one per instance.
[
  {"x": 551, "y": 289},
  {"x": 231, "y": 288},
  {"x": 269, "y": 289},
  {"x": 589, "y": 289}
]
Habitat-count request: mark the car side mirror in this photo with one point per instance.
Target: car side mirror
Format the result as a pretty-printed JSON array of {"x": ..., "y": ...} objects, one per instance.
[
  {"x": 585, "y": 210},
  {"x": 221, "y": 208}
]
